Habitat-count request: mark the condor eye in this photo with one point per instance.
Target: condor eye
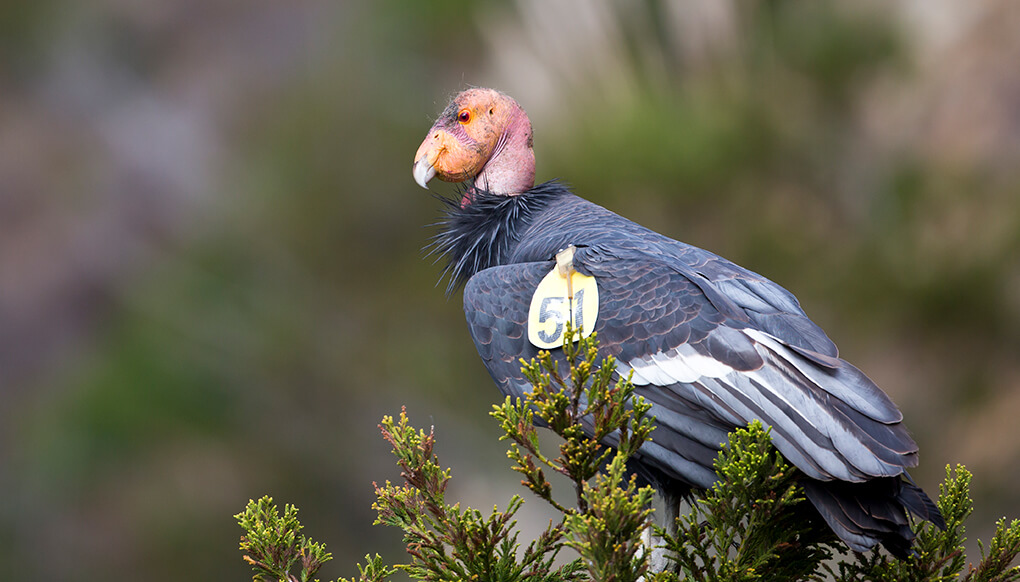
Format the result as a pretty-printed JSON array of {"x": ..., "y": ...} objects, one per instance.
[{"x": 464, "y": 116}]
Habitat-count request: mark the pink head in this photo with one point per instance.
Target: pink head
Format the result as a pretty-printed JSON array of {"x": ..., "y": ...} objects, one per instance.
[{"x": 484, "y": 137}]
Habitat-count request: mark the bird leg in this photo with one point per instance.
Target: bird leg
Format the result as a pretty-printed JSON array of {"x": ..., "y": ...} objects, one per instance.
[{"x": 658, "y": 556}]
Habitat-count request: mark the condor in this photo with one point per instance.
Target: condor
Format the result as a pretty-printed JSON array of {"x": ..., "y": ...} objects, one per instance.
[{"x": 710, "y": 344}]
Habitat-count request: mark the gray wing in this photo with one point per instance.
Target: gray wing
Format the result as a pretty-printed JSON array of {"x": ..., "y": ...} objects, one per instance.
[
  {"x": 496, "y": 303},
  {"x": 706, "y": 363},
  {"x": 744, "y": 294}
]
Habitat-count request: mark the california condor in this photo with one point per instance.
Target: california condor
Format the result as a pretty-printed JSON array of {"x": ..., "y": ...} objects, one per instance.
[{"x": 710, "y": 344}]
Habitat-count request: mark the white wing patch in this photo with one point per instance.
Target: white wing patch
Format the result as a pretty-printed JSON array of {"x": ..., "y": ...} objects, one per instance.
[
  {"x": 680, "y": 364},
  {"x": 871, "y": 402},
  {"x": 834, "y": 450}
]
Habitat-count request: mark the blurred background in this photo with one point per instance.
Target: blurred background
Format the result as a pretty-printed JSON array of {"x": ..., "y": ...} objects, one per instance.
[{"x": 211, "y": 278}]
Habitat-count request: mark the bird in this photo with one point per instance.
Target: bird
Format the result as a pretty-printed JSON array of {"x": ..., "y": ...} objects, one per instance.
[{"x": 712, "y": 346}]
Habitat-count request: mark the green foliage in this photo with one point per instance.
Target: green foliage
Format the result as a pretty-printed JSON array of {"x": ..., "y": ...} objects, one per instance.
[
  {"x": 273, "y": 545},
  {"x": 587, "y": 410},
  {"x": 753, "y": 525},
  {"x": 939, "y": 555},
  {"x": 449, "y": 543},
  {"x": 603, "y": 522},
  {"x": 608, "y": 535}
]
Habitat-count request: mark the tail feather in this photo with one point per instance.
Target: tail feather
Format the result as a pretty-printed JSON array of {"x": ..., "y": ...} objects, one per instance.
[
  {"x": 874, "y": 512},
  {"x": 918, "y": 502}
]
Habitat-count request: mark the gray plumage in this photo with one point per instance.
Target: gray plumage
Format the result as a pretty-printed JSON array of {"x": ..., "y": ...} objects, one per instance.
[{"x": 710, "y": 344}]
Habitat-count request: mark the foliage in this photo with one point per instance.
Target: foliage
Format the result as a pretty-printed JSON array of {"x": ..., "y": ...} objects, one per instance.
[
  {"x": 752, "y": 525},
  {"x": 273, "y": 544},
  {"x": 448, "y": 543},
  {"x": 939, "y": 555},
  {"x": 586, "y": 410},
  {"x": 605, "y": 518}
]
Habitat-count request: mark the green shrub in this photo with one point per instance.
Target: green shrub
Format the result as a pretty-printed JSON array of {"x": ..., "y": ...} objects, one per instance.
[{"x": 752, "y": 525}]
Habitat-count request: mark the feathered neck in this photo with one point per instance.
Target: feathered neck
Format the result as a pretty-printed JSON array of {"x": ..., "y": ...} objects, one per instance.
[{"x": 482, "y": 233}]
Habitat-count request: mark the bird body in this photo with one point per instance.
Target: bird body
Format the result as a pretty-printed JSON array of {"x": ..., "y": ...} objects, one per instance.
[{"x": 711, "y": 345}]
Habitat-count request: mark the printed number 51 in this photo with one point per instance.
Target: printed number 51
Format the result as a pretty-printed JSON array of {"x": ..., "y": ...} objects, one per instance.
[{"x": 556, "y": 310}]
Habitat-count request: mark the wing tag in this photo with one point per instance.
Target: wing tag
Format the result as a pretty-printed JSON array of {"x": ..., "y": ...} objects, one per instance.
[{"x": 564, "y": 295}]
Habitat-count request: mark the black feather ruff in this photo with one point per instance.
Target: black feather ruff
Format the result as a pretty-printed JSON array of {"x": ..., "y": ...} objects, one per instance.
[{"x": 481, "y": 234}]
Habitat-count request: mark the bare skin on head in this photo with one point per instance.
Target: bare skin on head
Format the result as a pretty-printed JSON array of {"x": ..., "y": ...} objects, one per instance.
[{"x": 484, "y": 138}]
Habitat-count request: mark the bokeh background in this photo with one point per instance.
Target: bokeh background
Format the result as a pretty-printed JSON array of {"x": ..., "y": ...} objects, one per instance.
[{"x": 211, "y": 278}]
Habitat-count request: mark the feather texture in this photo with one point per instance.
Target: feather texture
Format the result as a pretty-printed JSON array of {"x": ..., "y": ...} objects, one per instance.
[{"x": 709, "y": 344}]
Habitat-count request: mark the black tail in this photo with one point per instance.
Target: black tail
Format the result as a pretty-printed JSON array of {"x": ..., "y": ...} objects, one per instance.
[{"x": 866, "y": 514}]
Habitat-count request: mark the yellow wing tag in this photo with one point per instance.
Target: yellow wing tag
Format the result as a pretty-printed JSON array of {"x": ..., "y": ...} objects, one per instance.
[{"x": 563, "y": 295}]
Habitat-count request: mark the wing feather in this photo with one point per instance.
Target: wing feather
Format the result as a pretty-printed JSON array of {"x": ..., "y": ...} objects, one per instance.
[
  {"x": 822, "y": 410},
  {"x": 697, "y": 349}
]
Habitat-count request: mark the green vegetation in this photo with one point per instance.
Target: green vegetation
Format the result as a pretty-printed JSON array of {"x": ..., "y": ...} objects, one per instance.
[
  {"x": 211, "y": 282},
  {"x": 274, "y": 544},
  {"x": 753, "y": 525}
]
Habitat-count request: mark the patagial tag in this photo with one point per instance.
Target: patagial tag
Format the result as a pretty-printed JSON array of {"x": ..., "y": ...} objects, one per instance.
[{"x": 564, "y": 295}]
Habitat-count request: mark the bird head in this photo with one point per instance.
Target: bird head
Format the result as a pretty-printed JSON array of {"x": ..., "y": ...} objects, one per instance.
[{"x": 483, "y": 137}]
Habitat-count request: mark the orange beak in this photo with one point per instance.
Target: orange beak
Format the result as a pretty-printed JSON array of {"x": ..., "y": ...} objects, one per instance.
[{"x": 445, "y": 156}]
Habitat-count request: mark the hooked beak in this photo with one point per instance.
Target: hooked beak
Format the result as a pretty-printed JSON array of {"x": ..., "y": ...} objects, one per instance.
[
  {"x": 442, "y": 155},
  {"x": 423, "y": 171}
]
